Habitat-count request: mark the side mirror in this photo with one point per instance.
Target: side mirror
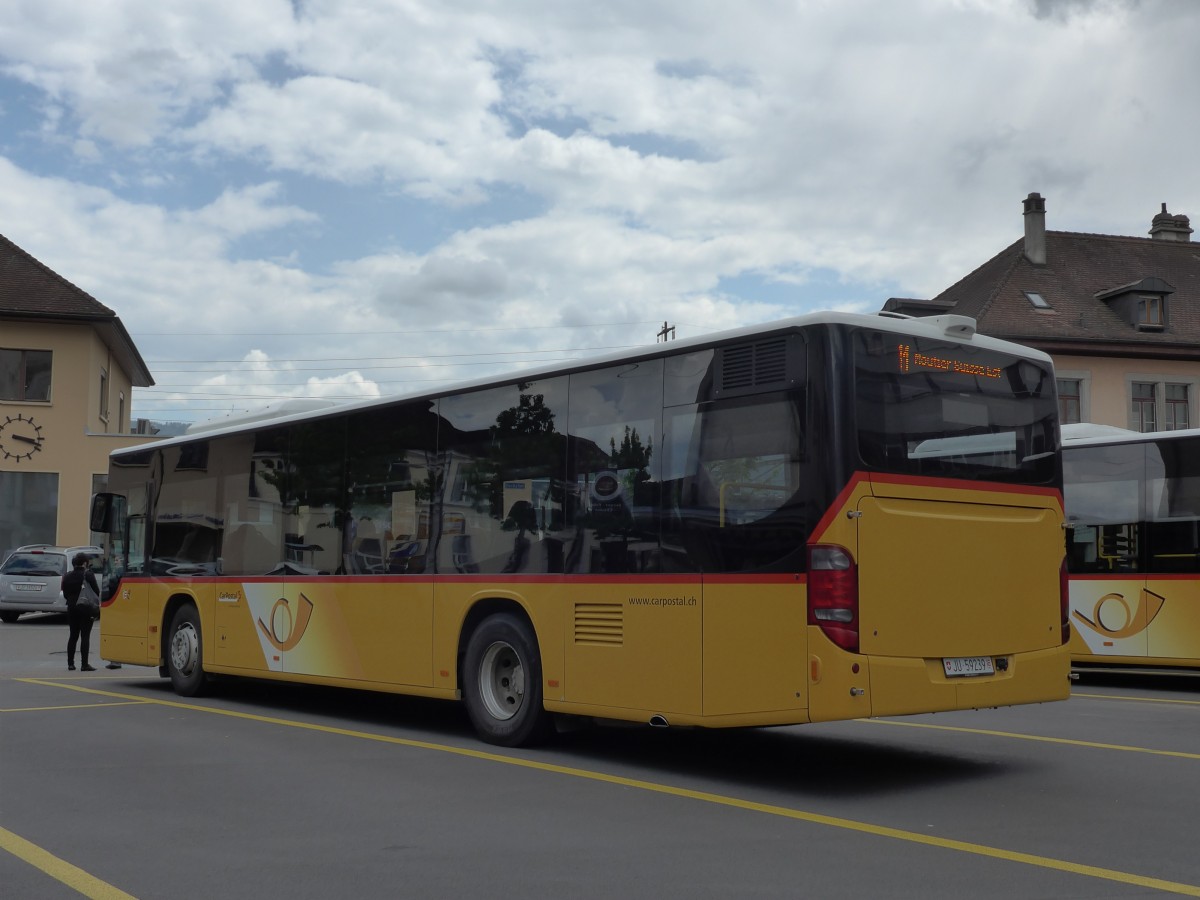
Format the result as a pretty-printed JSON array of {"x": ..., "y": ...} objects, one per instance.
[{"x": 107, "y": 513}]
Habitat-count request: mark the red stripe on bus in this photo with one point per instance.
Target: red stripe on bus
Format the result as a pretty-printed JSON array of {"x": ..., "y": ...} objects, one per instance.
[
  {"x": 1149, "y": 577},
  {"x": 557, "y": 578},
  {"x": 767, "y": 578},
  {"x": 924, "y": 481},
  {"x": 837, "y": 506},
  {"x": 964, "y": 484}
]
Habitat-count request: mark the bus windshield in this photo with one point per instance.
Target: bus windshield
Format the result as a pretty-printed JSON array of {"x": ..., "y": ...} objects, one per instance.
[{"x": 946, "y": 409}]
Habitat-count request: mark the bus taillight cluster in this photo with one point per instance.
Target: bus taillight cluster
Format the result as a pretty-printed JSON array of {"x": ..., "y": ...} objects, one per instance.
[{"x": 833, "y": 594}]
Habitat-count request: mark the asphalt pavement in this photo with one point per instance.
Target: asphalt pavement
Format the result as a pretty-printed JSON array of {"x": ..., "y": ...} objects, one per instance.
[{"x": 112, "y": 786}]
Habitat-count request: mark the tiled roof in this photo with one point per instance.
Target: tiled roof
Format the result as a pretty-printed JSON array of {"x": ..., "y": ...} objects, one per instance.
[
  {"x": 1078, "y": 268},
  {"x": 30, "y": 288}
]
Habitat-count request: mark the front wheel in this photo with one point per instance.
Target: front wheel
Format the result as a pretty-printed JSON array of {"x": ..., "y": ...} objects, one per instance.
[
  {"x": 502, "y": 683},
  {"x": 184, "y": 648}
]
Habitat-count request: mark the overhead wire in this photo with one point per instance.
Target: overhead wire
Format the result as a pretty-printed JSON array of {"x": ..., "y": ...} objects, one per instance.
[
  {"x": 456, "y": 330},
  {"x": 182, "y": 393},
  {"x": 265, "y": 366}
]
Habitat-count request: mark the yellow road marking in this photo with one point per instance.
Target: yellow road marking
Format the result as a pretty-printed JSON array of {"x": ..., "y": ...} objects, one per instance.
[
  {"x": 14, "y": 709},
  {"x": 1033, "y": 737},
  {"x": 1136, "y": 699},
  {"x": 1044, "y": 862},
  {"x": 72, "y": 876}
]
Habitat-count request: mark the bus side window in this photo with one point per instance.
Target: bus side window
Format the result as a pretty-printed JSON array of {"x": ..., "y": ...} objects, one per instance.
[
  {"x": 1118, "y": 547},
  {"x": 1174, "y": 546},
  {"x": 1173, "y": 503},
  {"x": 137, "y": 545},
  {"x": 1105, "y": 507},
  {"x": 504, "y": 449},
  {"x": 614, "y": 469},
  {"x": 735, "y": 488}
]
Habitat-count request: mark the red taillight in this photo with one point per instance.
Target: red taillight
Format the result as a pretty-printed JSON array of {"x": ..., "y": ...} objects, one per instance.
[
  {"x": 1064, "y": 601},
  {"x": 833, "y": 594}
]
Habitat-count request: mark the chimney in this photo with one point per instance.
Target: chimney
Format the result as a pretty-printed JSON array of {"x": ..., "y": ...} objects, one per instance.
[
  {"x": 1035, "y": 229},
  {"x": 1166, "y": 227}
]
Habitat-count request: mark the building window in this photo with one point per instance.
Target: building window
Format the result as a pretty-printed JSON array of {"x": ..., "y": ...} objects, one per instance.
[
  {"x": 25, "y": 375},
  {"x": 1070, "y": 401},
  {"x": 1177, "y": 407},
  {"x": 1143, "y": 406},
  {"x": 1160, "y": 405},
  {"x": 35, "y": 495},
  {"x": 1036, "y": 299},
  {"x": 104, "y": 394},
  {"x": 121, "y": 426},
  {"x": 1149, "y": 311}
]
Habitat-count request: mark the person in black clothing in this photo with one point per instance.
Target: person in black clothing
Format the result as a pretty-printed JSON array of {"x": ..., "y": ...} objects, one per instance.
[{"x": 80, "y": 620}]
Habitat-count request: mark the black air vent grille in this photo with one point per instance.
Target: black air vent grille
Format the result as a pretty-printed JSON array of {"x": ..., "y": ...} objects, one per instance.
[
  {"x": 754, "y": 365},
  {"x": 600, "y": 624}
]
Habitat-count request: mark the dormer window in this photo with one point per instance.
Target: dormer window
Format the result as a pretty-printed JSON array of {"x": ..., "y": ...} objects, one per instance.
[
  {"x": 1149, "y": 311},
  {"x": 1143, "y": 304}
]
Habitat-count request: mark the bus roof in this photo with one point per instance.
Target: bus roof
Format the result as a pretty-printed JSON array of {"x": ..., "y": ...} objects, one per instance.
[
  {"x": 945, "y": 327},
  {"x": 1089, "y": 434}
]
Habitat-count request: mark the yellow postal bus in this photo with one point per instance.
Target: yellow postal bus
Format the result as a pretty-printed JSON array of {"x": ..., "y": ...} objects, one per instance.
[
  {"x": 1133, "y": 505},
  {"x": 827, "y": 517}
]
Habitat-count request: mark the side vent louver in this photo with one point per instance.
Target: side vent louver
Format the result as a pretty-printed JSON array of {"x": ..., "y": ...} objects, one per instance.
[
  {"x": 754, "y": 366},
  {"x": 599, "y": 623}
]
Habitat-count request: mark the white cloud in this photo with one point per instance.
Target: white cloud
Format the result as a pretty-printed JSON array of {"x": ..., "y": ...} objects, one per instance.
[
  {"x": 86, "y": 150},
  {"x": 131, "y": 68},
  {"x": 443, "y": 186},
  {"x": 247, "y": 210},
  {"x": 337, "y": 129}
]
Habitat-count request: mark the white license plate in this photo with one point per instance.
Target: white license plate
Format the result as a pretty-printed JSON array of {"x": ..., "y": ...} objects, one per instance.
[
  {"x": 28, "y": 587},
  {"x": 957, "y": 666}
]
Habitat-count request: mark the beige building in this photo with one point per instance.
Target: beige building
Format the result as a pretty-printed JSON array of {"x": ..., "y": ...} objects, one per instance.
[
  {"x": 67, "y": 372},
  {"x": 1119, "y": 315}
]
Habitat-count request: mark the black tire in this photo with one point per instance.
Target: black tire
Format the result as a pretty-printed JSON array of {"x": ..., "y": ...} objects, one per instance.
[
  {"x": 8, "y": 617},
  {"x": 185, "y": 653},
  {"x": 502, "y": 683}
]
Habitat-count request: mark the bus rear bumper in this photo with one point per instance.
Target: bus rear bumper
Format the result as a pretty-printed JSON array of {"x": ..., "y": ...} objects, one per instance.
[{"x": 909, "y": 686}]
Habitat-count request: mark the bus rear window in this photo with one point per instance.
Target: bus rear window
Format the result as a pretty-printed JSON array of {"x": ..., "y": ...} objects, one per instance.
[{"x": 945, "y": 409}]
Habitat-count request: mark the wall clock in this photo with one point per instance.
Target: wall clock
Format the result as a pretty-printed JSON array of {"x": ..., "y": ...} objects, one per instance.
[{"x": 20, "y": 437}]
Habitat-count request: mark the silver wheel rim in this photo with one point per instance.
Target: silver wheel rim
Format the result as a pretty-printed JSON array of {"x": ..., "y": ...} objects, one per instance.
[
  {"x": 501, "y": 681},
  {"x": 185, "y": 648}
]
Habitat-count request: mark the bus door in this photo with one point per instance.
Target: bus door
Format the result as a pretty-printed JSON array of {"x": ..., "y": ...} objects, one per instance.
[
  {"x": 250, "y": 617},
  {"x": 1171, "y": 597},
  {"x": 128, "y": 632},
  {"x": 1111, "y": 602}
]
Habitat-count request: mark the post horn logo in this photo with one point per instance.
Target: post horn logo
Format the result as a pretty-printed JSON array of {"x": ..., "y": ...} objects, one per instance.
[
  {"x": 1115, "y": 617},
  {"x": 286, "y": 629}
]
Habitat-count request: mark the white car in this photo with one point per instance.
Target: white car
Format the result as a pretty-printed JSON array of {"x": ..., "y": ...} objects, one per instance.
[{"x": 31, "y": 579}]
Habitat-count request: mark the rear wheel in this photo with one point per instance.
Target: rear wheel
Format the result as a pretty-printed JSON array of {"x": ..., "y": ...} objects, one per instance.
[
  {"x": 502, "y": 682},
  {"x": 8, "y": 617},
  {"x": 184, "y": 653}
]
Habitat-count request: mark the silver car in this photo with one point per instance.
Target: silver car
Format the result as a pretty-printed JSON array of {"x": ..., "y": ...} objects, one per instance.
[{"x": 31, "y": 579}]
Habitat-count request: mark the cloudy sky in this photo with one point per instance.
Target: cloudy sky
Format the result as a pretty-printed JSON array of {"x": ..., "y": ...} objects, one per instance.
[{"x": 354, "y": 198}]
